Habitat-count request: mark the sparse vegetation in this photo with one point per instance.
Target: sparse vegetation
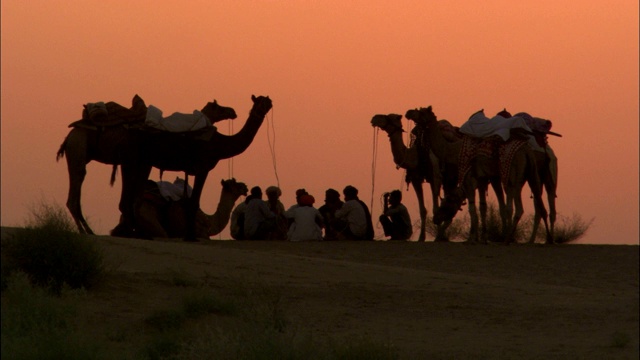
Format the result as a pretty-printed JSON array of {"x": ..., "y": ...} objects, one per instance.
[
  {"x": 567, "y": 229},
  {"x": 39, "y": 325},
  {"x": 51, "y": 253},
  {"x": 249, "y": 322}
]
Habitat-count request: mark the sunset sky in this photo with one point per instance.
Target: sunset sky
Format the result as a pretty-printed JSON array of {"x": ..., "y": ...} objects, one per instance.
[{"x": 328, "y": 66}]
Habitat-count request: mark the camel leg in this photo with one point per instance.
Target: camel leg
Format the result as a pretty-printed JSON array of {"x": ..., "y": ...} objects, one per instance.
[
  {"x": 508, "y": 216},
  {"x": 540, "y": 210},
  {"x": 442, "y": 231},
  {"x": 552, "y": 213},
  {"x": 482, "y": 200},
  {"x": 126, "y": 226},
  {"x": 77, "y": 168},
  {"x": 536, "y": 219},
  {"x": 417, "y": 187},
  {"x": 473, "y": 214},
  {"x": 534, "y": 230},
  {"x": 76, "y": 178},
  {"x": 496, "y": 184},
  {"x": 519, "y": 210},
  {"x": 435, "y": 196}
]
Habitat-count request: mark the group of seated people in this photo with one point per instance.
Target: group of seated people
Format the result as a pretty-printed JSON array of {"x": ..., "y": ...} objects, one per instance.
[{"x": 258, "y": 219}]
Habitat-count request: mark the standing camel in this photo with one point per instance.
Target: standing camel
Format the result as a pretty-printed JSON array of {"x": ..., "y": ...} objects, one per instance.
[
  {"x": 419, "y": 161},
  {"x": 484, "y": 171},
  {"x": 176, "y": 152},
  {"x": 547, "y": 164},
  {"x": 161, "y": 218},
  {"x": 522, "y": 169},
  {"x": 116, "y": 144}
]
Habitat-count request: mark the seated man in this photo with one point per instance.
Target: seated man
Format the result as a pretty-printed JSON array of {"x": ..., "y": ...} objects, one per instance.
[
  {"x": 353, "y": 219},
  {"x": 276, "y": 207},
  {"x": 237, "y": 221},
  {"x": 332, "y": 203},
  {"x": 395, "y": 218},
  {"x": 258, "y": 219}
]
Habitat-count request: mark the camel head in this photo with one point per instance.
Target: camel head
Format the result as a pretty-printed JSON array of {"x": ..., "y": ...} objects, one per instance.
[
  {"x": 449, "y": 206},
  {"x": 261, "y": 104},
  {"x": 216, "y": 112},
  {"x": 236, "y": 189},
  {"x": 422, "y": 116},
  {"x": 389, "y": 123}
]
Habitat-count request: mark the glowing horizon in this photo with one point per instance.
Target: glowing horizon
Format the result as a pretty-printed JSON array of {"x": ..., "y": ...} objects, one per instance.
[{"x": 328, "y": 67}]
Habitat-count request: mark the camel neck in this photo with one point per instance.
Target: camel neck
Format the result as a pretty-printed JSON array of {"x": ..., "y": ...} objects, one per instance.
[{"x": 218, "y": 221}]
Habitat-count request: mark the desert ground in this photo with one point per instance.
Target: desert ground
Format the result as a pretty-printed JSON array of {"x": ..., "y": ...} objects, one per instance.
[{"x": 429, "y": 300}]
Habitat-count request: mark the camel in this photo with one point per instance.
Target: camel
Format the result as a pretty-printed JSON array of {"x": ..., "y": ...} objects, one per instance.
[
  {"x": 419, "y": 161},
  {"x": 174, "y": 152},
  {"x": 484, "y": 171},
  {"x": 115, "y": 145},
  {"x": 137, "y": 151},
  {"x": 547, "y": 164},
  {"x": 523, "y": 169},
  {"x": 160, "y": 218}
]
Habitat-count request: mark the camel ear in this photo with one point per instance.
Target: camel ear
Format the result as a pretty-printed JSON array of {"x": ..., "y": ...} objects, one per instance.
[
  {"x": 253, "y": 97},
  {"x": 215, "y": 102}
]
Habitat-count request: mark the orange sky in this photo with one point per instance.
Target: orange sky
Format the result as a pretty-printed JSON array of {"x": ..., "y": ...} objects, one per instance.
[{"x": 328, "y": 66}]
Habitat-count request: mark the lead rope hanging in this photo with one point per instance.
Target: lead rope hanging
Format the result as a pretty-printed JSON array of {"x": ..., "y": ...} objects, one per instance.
[
  {"x": 230, "y": 160},
  {"x": 272, "y": 146},
  {"x": 373, "y": 164}
]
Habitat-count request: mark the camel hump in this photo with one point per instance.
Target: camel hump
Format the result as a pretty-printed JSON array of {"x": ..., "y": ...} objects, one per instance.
[{"x": 449, "y": 132}]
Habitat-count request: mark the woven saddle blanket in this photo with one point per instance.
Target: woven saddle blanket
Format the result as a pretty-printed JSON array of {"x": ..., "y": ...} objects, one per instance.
[
  {"x": 472, "y": 147},
  {"x": 506, "y": 152}
]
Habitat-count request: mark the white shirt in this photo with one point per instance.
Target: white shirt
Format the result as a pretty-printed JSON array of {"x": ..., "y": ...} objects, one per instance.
[
  {"x": 355, "y": 216},
  {"x": 255, "y": 213},
  {"x": 305, "y": 226}
]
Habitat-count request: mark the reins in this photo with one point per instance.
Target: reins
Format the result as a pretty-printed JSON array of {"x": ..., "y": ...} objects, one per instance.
[
  {"x": 230, "y": 161},
  {"x": 373, "y": 163},
  {"x": 272, "y": 145}
]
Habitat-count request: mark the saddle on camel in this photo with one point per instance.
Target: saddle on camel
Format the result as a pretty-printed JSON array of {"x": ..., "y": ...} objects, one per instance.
[
  {"x": 143, "y": 117},
  {"x": 501, "y": 136}
]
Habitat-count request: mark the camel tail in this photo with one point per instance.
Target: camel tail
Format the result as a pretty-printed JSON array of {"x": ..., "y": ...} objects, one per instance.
[
  {"x": 114, "y": 172},
  {"x": 61, "y": 151}
]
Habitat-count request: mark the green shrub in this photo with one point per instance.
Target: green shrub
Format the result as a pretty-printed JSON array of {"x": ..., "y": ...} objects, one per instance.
[
  {"x": 51, "y": 253},
  {"x": 37, "y": 325}
]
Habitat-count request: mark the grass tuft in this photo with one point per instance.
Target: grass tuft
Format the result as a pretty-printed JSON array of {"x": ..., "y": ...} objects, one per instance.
[{"x": 51, "y": 253}]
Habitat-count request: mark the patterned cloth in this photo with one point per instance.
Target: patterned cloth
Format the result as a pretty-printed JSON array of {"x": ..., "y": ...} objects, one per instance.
[
  {"x": 507, "y": 152},
  {"x": 472, "y": 147}
]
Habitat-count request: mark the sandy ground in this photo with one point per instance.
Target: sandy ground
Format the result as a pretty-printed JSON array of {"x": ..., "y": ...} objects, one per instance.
[{"x": 431, "y": 300}]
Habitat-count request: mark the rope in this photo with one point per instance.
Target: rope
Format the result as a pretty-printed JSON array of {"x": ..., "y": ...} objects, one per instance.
[
  {"x": 407, "y": 140},
  {"x": 230, "y": 160},
  {"x": 373, "y": 164},
  {"x": 272, "y": 146}
]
